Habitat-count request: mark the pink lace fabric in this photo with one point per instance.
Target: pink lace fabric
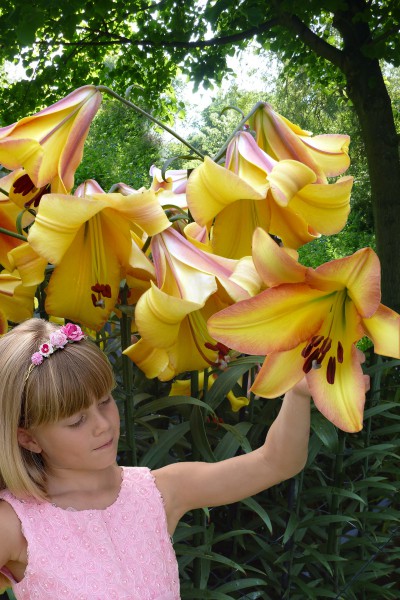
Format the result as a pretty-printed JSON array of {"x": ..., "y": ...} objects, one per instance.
[{"x": 123, "y": 552}]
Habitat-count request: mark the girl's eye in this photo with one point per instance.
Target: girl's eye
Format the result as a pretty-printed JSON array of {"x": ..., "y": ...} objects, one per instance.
[
  {"x": 106, "y": 401},
  {"x": 78, "y": 422}
]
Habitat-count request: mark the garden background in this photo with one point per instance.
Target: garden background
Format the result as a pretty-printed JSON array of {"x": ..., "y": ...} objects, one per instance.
[{"x": 331, "y": 67}]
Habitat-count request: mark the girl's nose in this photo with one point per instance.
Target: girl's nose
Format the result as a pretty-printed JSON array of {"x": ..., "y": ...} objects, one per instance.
[{"x": 101, "y": 423}]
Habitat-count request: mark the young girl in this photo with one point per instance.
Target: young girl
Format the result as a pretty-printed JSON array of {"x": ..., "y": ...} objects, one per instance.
[{"x": 75, "y": 525}]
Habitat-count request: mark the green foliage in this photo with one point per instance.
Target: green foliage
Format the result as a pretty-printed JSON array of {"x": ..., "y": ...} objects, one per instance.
[
  {"x": 120, "y": 147},
  {"x": 139, "y": 45},
  {"x": 328, "y": 533}
]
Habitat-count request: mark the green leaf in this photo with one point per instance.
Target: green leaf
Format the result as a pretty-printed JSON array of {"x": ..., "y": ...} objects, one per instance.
[
  {"x": 241, "y": 584},
  {"x": 200, "y": 552},
  {"x": 257, "y": 508},
  {"x": 325, "y": 430},
  {"x": 290, "y": 527},
  {"x": 198, "y": 431},
  {"x": 225, "y": 382},
  {"x": 232, "y": 441},
  {"x": 168, "y": 402},
  {"x": 157, "y": 452}
]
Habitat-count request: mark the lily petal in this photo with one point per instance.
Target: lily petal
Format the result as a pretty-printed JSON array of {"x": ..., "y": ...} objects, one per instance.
[
  {"x": 327, "y": 155},
  {"x": 324, "y": 207},
  {"x": 273, "y": 263},
  {"x": 359, "y": 273},
  {"x": 276, "y": 319},
  {"x": 16, "y": 300},
  {"x": 30, "y": 265},
  {"x": 342, "y": 403},
  {"x": 49, "y": 144},
  {"x": 152, "y": 361},
  {"x": 159, "y": 315},
  {"x": 211, "y": 188},
  {"x": 76, "y": 273},
  {"x": 383, "y": 328},
  {"x": 280, "y": 372}
]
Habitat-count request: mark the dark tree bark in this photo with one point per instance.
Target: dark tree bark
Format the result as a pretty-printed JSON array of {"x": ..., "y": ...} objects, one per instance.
[{"x": 366, "y": 88}]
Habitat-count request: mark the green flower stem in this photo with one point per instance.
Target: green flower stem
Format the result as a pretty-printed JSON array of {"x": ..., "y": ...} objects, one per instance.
[
  {"x": 294, "y": 503},
  {"x": 333, "y": 530},
  {"x": 106, "y": 90},
  {"x": 221, "y": 152},
  {"x": 13, "y": 234},
  {"x": 198, "y": 515},
  {"x": 127, "y": 378}
]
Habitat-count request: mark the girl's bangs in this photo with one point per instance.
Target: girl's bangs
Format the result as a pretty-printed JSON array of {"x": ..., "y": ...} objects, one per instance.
[{"x": 69, "y": 381}]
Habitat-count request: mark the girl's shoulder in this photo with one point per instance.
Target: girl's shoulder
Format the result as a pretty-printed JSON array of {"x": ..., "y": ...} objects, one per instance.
[{"x": 13, "y": 543}]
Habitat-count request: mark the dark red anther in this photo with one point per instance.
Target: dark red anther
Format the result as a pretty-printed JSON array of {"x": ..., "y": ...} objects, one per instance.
[
  {"x": 307, "y": 349},
  {"x": 308, "y": 363},
  {"x": 326, "y": 345},
  {"x": 331, "y": 370},
  {"x": 317, "y": 339},
  {"x": 101, "y": 289},
  {"x": 24, "y": 186},
  {"x": 339, "y": 353}
]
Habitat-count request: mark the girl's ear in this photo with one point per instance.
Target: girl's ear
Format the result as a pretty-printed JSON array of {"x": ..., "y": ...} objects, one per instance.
[{"x": 27, "y": 440}]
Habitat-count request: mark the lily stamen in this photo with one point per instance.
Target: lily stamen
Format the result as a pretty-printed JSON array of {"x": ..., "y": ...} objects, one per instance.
[{"x": 331, "y": 370}]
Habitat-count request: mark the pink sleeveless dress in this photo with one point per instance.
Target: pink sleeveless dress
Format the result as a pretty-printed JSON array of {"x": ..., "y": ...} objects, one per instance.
[{"x": 123, "y": 552}]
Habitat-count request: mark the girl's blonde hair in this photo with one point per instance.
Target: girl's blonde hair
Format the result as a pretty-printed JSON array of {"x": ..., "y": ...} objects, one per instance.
[{"x": 68, "y": 381}]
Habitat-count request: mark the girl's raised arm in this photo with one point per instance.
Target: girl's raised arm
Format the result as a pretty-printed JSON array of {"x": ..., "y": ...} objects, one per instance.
[{"x": 185, "y": 486}]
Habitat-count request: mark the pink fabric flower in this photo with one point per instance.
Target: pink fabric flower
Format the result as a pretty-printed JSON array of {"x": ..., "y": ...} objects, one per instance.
[
  {"x": 37, "y": 358},
  {"x": 73, "y": 332},
  {"x": 46, "y": 349},
  {"x": 58, "y": 339}
]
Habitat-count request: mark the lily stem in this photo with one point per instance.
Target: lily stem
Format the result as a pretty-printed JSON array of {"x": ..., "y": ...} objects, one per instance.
[
  {"x": 13, "y": 234},
  {"x": 127, "y": 377},
  {"x": 110, "y": 92},
  {"x": 334, "y": 528},
  {"x": 239, "y": 127}
]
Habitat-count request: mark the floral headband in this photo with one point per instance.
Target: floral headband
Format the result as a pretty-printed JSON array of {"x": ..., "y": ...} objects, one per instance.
[{"x": 67, "y": 334}]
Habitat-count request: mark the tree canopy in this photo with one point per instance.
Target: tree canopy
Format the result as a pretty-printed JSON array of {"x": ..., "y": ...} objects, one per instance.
[{"x": 139, "y": 46}]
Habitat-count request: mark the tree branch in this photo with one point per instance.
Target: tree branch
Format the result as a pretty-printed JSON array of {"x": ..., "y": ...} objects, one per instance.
[
  {"x": 217, "y": 41},
  {"x": 313, "y": 41}
]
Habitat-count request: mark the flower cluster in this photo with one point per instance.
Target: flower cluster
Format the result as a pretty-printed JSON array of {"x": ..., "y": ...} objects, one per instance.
[
  {"x": 68, "y": 333},
  {"x": 207, "y": 257}
]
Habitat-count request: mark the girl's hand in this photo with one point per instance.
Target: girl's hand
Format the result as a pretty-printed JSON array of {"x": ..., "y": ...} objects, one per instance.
[
  {"x": 301, "y": 388},
  {"x": 4, "y": 583}
]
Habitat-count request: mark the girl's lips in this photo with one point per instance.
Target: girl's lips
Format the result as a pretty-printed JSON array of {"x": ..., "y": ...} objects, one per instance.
[{"x": 106, "y": 445}]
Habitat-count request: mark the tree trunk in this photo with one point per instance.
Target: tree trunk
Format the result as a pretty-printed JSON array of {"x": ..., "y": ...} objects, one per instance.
[
  {"x": 366, "y": 88},
  {"x": 368, "y": 92}
]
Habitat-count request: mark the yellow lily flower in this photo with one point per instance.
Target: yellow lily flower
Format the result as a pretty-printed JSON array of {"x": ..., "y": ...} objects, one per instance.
[
  {"x": 49, "y": 144},
  {"x": 182, "y": 387},
  {"x": 175, "y": 180},
  {"x": 88, "y": 237},
  {"x": 327, "y": 155},
  {"x": 253, "y": 190},
  {"x": 8, "y": 215},
  {"x": 16, "y": 300},
  {"x": 171, "y": 316},
  {"x": 30, "y": 265},
  {"x": 308, "y": 323}
]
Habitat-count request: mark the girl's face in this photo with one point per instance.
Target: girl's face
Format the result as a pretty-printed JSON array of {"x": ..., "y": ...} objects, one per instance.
[{"x": 85, "y": 441}]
